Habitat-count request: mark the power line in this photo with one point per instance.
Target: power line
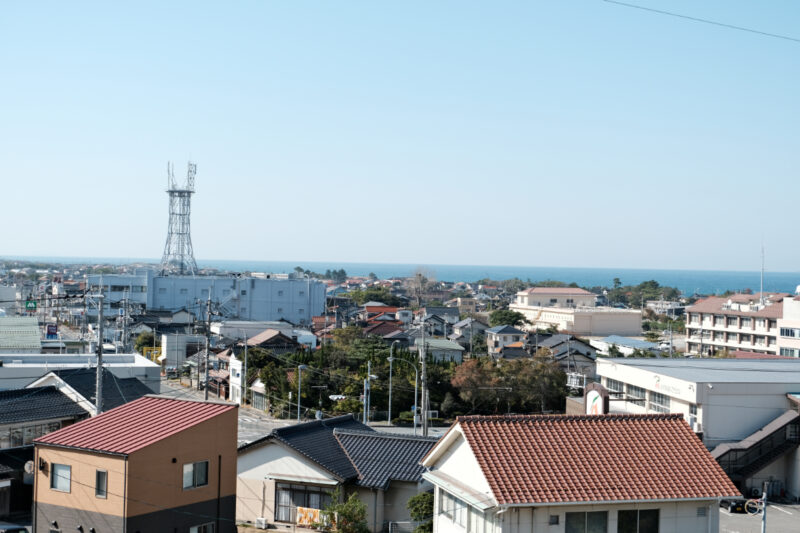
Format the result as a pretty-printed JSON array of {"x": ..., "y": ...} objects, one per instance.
[{"x": 704, "y": 21}]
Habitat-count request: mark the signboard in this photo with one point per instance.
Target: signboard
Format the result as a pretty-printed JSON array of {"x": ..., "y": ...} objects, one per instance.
[
  {"x": 30, "y": 305},
  {"x": 52, "y": 331},
  {"x": 595, "y": 399}
]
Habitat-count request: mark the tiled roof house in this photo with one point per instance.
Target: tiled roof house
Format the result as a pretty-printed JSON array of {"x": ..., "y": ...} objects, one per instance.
[{"x": 555, "y": 473}]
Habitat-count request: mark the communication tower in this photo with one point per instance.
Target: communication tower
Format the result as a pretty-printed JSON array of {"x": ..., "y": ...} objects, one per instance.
[{"x": 178, "y": 254}]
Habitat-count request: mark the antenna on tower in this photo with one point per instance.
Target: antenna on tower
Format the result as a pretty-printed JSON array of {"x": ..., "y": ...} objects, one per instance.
[{"x": 178, "y": 255}]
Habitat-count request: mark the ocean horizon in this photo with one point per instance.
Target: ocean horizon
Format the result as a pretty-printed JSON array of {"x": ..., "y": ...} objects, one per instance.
[{"x": 687, "y": 281}]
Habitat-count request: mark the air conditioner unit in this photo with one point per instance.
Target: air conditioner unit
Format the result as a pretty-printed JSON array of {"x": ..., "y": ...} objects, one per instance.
[
  {"x": 698, "y": 427},
  {"x": 261, "y": 523}
]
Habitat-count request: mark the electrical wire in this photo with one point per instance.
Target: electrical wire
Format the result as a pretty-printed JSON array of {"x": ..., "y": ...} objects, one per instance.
[{"x": 704, "y": 21}]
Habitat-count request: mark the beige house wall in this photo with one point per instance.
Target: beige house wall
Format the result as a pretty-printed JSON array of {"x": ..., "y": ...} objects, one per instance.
[
  {"x": 155, "y": 477},
  {"x": 84, "y": 466}
]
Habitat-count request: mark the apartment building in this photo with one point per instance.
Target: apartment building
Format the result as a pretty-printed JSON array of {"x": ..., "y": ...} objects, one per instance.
[
  {"x": 789, "y": 328},
  {"x": 747, "y": 322}
]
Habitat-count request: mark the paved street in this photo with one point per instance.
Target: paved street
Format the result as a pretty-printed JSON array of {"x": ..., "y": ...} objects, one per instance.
[
  {"x": 252, "y": 423},
  {"x": 780, "y": 519}
]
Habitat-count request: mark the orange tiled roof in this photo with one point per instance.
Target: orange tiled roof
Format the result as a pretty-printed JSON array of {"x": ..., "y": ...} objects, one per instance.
[{"x": 545, "y": 459}]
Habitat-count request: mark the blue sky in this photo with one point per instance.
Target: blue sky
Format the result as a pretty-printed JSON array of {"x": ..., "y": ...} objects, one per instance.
[{"x": 558, "y": 133}]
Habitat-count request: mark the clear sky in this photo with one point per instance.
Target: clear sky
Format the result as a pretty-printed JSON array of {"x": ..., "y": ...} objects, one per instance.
[{"x": 554, "y": 133}]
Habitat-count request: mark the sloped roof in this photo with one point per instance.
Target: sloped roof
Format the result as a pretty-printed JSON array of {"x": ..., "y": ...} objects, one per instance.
[
  {"x": 116, "y": 391},
  {"x": 546, "y": 459},
  {"x": 315, "y": 440},
  {"x": 135, "y": 425},
  {"x": 38, "y": 403},
  {"x": 505, "y": 330},
  {"x": 20, "y": 333},
  {"x": 266, "y": 336},
  {"x": 630, "y": 343},
  {"x": 439, "y": 344},
  {"x": 381, "y": 458}
]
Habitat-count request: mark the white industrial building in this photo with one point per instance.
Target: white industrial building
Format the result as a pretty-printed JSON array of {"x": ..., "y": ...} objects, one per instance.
[
  {"x": 270, "y": 297},
  {"x": 744, "y": 410},
  {"x": 18, "y": 370},
  {"x": 573, "y": 310}
]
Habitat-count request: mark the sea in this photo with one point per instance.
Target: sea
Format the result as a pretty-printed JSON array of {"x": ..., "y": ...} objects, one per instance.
[{"x": 687, "y": 281}]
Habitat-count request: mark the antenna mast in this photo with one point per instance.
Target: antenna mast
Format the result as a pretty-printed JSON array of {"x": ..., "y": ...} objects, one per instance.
[
  {"x": 761, "y": 296},
  {"x": 178, "y": 255}
]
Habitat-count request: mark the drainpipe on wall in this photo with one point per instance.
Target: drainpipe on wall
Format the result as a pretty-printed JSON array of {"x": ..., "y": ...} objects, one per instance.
[{"x": 374, "y": 510}]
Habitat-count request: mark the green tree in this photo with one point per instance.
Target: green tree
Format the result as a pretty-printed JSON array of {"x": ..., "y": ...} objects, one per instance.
[
  {"x": 144, "y": 340},
  {"x": 375, "y": 294},
  {"x": 613, "y": 351},
  {"x": 474, "y": 380},
  {"x": 421, "y": 509},
  {"x": 348, "y": 516},
  {"x": 504, "y": 317}
]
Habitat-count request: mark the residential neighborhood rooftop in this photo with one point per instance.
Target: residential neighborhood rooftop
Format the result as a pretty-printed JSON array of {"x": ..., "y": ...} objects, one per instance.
[{"x": 40, "y": 403}]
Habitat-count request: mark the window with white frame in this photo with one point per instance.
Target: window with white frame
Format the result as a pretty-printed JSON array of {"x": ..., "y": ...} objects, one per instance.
[
  {"x": 635, "y": 392},
  {"x": 692, "y": 415},
  {"x": 614, "y": 386},
  {"x": 659, "y": 402},
  {"x": 454, "y": 508},
  {"x": 288, "y": 497},
  {"x": 195, "y": 475},
  {"x": 60, "y": 477},
  {"x": 101, "y": 484}
]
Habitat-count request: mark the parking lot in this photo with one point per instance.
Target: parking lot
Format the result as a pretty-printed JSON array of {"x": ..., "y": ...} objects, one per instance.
[{"x": 780, "y": 519}]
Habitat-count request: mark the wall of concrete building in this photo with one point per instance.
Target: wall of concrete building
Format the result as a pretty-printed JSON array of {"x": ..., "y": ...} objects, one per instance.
[{"x": 245, "y": 298}]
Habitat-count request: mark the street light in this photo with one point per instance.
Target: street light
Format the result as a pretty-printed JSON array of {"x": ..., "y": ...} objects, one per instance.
[
  {"x": 390, "y": 359},
  {"x": 300, "y": 369},
  {"x": 416, "y": 386},
  {"x": 367, "y": 392}
]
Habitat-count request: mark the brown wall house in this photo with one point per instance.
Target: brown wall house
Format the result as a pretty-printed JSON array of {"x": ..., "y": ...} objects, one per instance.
[{"x": 155, "y": 464}]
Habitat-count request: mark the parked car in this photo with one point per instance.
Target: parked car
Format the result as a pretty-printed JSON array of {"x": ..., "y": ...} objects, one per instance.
[
  {"x": 8, "y": 527},
  {"x": 735, "y": 505}
]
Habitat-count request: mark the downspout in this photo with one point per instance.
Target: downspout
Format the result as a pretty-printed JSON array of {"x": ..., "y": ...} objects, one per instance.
[
  {"x": 374, "y": 510},
  {"x": 124, "y": 498},
  {"x": 219, "y": 486},
  {"x": 35, "y": 483}
]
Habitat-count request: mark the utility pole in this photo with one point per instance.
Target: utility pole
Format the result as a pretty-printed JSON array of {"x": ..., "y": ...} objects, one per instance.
[
  {"x": 208, "y": 341},
  {"x": 98, "y": 394},
  {"x": 244, "y": 381},
  {"x": 125, "y": 321},
  {"x": 764, "y": 507},
  {"x": 424, "y": 398}
]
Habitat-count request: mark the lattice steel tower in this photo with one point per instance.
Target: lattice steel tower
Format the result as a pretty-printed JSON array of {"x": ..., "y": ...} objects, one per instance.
[{"x": 178, "y": 254}]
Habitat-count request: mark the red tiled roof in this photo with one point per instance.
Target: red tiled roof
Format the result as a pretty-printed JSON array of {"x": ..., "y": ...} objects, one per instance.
[
  {"x": 381, "y": 328},
  {"x": 135, "y": 425},
  {"x": 542, "y": 459},
  {"x": 556, "y": 290}
]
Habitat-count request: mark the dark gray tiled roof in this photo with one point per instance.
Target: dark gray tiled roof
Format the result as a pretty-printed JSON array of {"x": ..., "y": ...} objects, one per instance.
[
  {"x": 38, "y": 403},
  {"x": 315, "y": 440},
  {"x": 116, "y": 391},
  {"x": 382, "y": 457}
]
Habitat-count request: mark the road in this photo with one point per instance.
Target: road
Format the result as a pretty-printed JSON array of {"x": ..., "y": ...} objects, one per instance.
[{"x": 780, "y": 519}]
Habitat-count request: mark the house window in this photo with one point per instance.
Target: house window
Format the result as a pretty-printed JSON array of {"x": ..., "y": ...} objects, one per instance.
[
  {"x": 789, "y": 352},
  {"x": 60, "y": 477},
  {"x": 788, "y": 332},
  {"x": 280, "y": 293},
  {"x": 302, "y": 293},
  {"x": 746, "y": 322},
  {"x": 638, "y": 521},
  {"x": 301, "y": 311},
  {"x": 288, "y": 497},
  {"x": 195, "y": 474},
  {"x": 593, "y": 522},
  {"x": 733, "y": 321},
  {"x": 614, "y": 386},
  {"x": 101, "y": 484},
  {"x": 454, "y": 508},
  {"x": 184, "y": 291},
  {"x": 203, "y": 528},
  {"x": 162, "y": 290},
  {"x": 659, "y": 402},
  {"x": 692, "y": 415},
  {"x": 553, "y": 520},
  {"x": 244, "y": 292},
  {"x": 280, "y": 309}
]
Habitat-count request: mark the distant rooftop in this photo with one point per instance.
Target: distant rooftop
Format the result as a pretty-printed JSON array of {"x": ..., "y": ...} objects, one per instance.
[{"x": 715, "y": 370}]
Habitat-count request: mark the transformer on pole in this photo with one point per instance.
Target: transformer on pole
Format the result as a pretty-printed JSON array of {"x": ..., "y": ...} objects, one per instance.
[{"x": 178, "y": 253}]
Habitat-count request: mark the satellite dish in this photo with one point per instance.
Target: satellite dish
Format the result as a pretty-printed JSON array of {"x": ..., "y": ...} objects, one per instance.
[{"x": 28, "y": 467}]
